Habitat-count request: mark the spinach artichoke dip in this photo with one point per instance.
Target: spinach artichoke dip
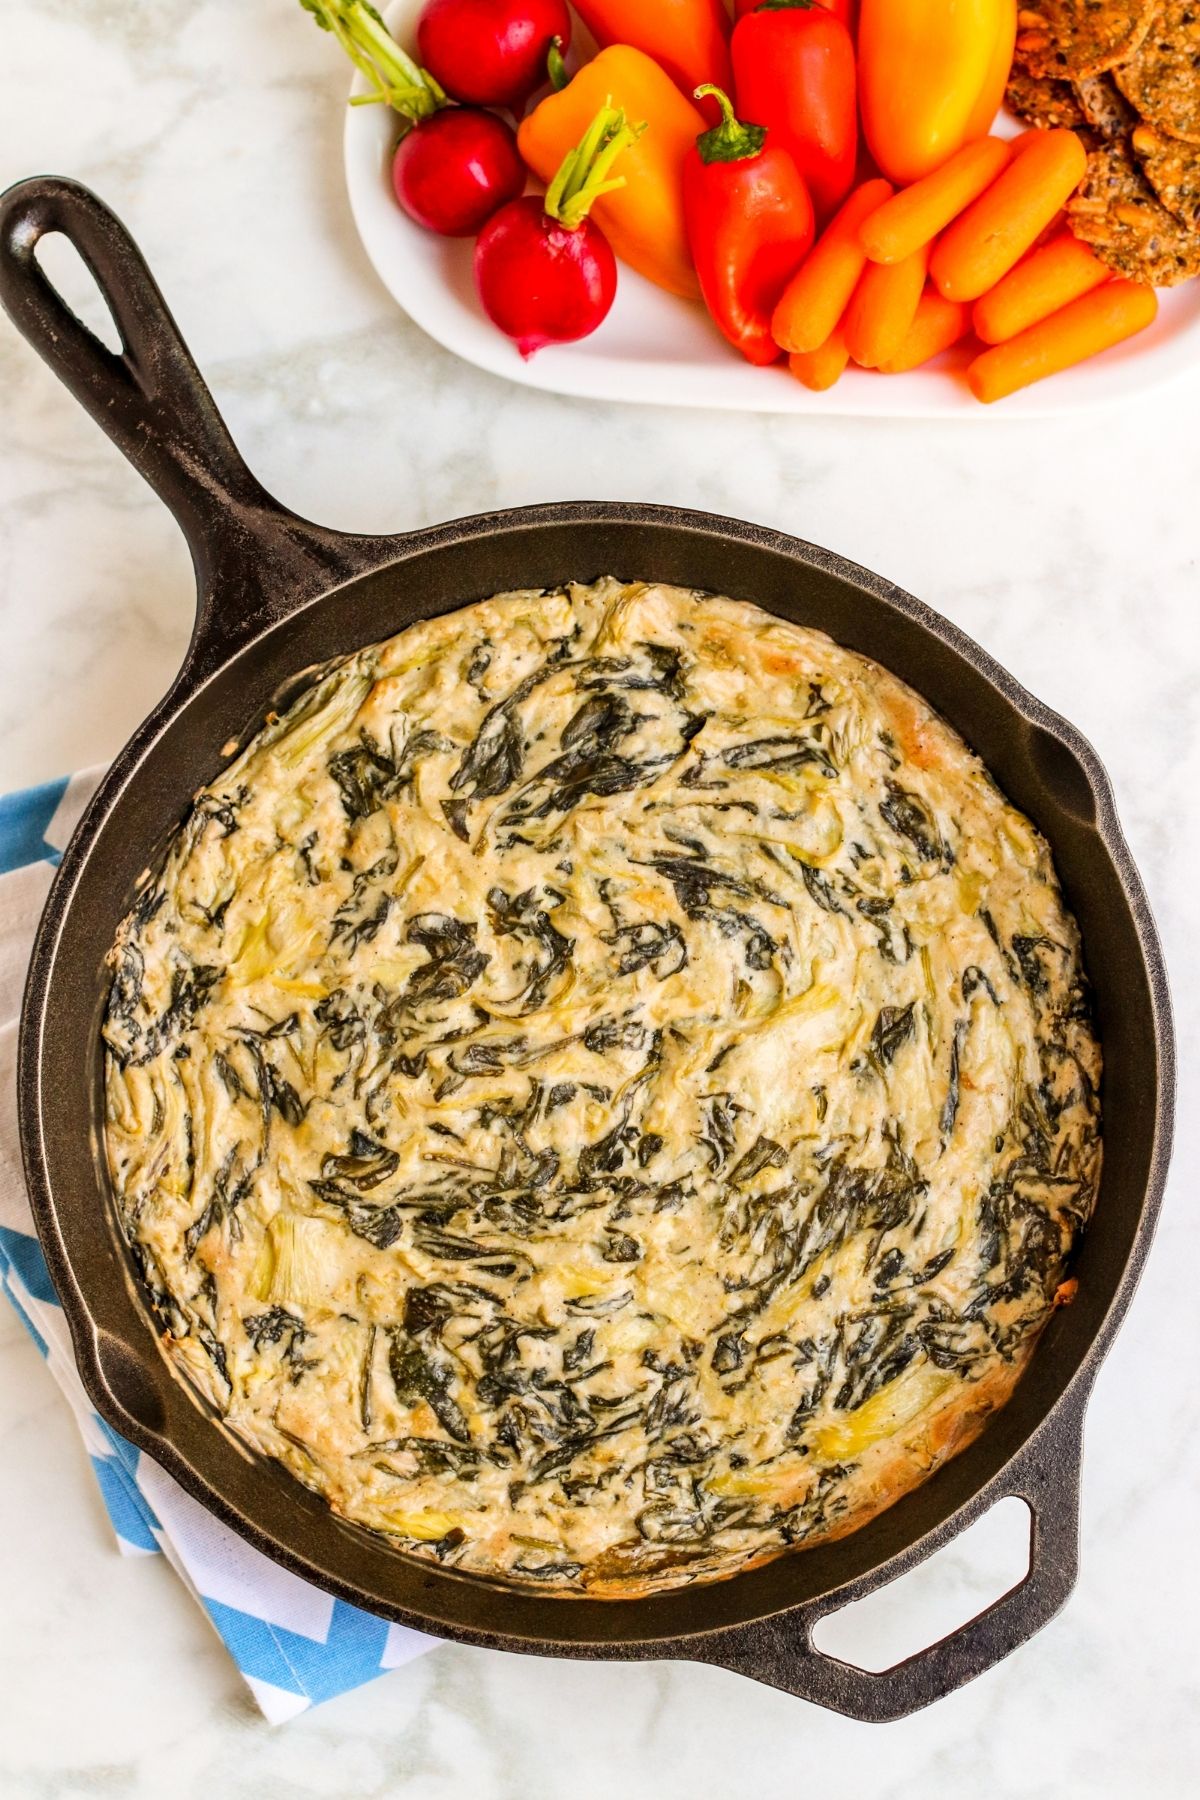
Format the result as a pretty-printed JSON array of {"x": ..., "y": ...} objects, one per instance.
[{"x": 603, "y": 1089}]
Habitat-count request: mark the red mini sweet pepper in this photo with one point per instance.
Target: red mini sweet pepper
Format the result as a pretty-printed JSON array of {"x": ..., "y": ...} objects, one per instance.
[
  {"x": 846, "y": 10},
  {"x": 750, "y": 225},
  {"x": 794, "y": 72}
]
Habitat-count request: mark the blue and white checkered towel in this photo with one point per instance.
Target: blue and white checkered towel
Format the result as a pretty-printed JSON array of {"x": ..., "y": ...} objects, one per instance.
[{"x": 293, "y": 1644}]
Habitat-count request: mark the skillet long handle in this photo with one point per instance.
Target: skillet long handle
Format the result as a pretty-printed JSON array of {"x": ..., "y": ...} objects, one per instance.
[
  {"x": 781, "y": 1651},
  {"x": 152, "y": 402}
]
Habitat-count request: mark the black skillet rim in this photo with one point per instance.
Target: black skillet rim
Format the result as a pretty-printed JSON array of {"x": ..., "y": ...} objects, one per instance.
[{"x": 124, "y": 770}]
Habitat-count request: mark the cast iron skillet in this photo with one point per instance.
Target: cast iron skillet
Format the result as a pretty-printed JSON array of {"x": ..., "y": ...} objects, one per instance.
[{"x": 277, "y": 594}]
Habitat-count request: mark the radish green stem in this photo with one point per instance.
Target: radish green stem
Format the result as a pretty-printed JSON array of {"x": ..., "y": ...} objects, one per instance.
[
  {"x": 395, "y": 79},
  {"x": 583, "y": 175}
]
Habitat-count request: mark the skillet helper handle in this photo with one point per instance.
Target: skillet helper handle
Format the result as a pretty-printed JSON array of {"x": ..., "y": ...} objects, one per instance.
[
  {"x": 149, "y": 398},
  {"x": 781, "y": 1652}
]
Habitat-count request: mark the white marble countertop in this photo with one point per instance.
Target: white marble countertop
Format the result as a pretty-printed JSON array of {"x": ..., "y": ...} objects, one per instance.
[{"x": 1069, "y": 549}]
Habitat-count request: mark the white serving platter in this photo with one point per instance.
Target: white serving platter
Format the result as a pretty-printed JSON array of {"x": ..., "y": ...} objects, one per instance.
[{"x": 654, "y": 348}]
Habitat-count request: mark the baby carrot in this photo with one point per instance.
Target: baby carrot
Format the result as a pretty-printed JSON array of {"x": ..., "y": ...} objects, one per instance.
[
  {"x": 1048, "y": 278},
  {"x": 818, "y": 369},
  {"x": 820, "y": 290},
  {"x": 883, "y": 308},
  {"x": 938, "y": 324},
  {"x": 984, "y": 242},
  {"x": 1057, "y": 224},
  {"x": 916, "y": 215},
  {"x": 1094, "y": 322}
]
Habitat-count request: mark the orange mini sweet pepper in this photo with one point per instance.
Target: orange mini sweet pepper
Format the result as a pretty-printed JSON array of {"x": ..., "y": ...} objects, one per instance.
[
  {"x": 690, "y": 38},
  {"x": 644, "y": 220},
  {"x": 931, "y": 76}
]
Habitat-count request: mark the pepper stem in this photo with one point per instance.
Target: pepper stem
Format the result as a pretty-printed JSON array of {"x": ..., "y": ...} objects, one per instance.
[
  {"x": 583, "y": 175},
  {"x": 395, "y": 79},
  {"x": 731, "y": 140}
]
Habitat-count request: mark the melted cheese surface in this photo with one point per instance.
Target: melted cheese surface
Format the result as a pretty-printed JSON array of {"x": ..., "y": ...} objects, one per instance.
[{"x": 603, "y": 1090}]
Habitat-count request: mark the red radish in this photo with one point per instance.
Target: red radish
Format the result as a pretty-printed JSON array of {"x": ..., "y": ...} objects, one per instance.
[
  {"x": 491, "y": 52},
  {"x": 540, "y": 281},
  {"x": 457, "y": 168},
  {"x": 454, "y": 166},
  {"x": 545, "y": 272}
]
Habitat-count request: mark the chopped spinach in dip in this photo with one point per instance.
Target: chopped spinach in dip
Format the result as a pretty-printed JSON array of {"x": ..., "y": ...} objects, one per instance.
[{"x": 603, "y": 1089}]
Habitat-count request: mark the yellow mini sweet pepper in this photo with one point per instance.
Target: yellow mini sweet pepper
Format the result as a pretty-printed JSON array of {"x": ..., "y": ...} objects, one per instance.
[
  {"x": 643, "y": 221},
  {"x": 931, "y": 77}
]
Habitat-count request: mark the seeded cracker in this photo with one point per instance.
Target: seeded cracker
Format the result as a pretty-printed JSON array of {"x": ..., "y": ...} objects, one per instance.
[
  {"x": 1073, "y": 39},
  {"x": 1043, "y": 101},
  {"x": 1117, "y": 214},
  {"x": 1173, "y": 170},
  {"x": 1163, "y": 80},
  {"x": 1105, "y": 107}
]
